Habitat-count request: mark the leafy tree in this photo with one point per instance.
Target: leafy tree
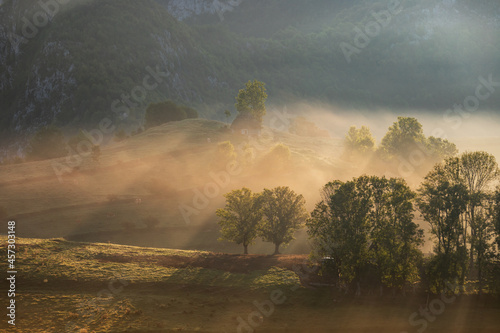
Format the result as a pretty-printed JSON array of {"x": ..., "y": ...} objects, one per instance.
[
  {"x": 359, "y": 141},
  {"x": 364, "y": 223},
  {"x": 440, "y": 148},
  {"x": 284, "y": 212},
  {"x": 190, "y": 112},
  {"x": 240, "y": 217},
  {"x": 442, "y": 201},
  {"x": 403, "y": 136},
  {"x": 496, "y": 217},
  {"x": 277, "y": 159},
  {"x": 47, "y": 143},
  {"x": 227, "y": 113},
  {"x": 252, "y": 99},
  {"x": 395, "y": 237},
  {"x": 478, "y": 170},
  {"x": 340, "y": 226}
]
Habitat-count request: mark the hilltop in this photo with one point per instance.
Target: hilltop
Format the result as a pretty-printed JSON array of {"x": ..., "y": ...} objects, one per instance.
[{"x": 164, "y": 168}]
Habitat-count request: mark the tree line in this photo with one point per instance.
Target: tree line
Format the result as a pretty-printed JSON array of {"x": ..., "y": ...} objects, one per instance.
[{"x": 366, "y": 225}]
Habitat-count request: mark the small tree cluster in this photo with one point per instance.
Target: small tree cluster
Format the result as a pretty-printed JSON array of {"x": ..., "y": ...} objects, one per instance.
[
  {"x": 274, "y": 215},
  {"x": 458, "y": 201},
  {"x": 366, "y": 226},
  {"x": 359, "y": 142},
  {"x": 403, "y": 138}
]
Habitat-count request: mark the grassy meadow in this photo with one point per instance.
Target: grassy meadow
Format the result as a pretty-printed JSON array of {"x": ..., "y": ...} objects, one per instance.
[{"x": 94, "y": 287}]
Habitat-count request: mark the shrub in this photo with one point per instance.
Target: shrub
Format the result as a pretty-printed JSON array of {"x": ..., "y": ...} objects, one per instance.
[{"x": 164, "y": 112}]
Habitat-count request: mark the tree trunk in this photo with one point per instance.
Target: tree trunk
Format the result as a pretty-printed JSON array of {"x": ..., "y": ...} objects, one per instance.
[
  {"x": 245, "y": 248},
  {"x": 472, "y": 238},
  {"x": 276, "y": 249},
  {"x": 480, "y": 275}
]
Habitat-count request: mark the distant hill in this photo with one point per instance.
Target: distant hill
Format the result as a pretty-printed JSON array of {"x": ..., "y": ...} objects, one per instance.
[{"x": 111, "y": 58}]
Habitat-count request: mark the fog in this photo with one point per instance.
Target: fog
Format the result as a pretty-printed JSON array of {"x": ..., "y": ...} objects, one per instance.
[{"x": 177, "y": 174}]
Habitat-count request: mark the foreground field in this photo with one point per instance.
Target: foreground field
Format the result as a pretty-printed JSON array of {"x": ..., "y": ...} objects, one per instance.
[{"x": 83, "y": 287}]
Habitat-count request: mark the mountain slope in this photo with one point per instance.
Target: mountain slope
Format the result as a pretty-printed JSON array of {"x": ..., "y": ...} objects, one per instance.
[{"x": 91, "y": 59}]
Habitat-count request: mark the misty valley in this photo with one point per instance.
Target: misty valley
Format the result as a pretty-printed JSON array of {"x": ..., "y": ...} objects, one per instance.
[{"x": 249, "y": 166}]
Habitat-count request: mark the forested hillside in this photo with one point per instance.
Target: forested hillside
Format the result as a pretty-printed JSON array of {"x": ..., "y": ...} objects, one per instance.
[{"x": 73, "y": 64}]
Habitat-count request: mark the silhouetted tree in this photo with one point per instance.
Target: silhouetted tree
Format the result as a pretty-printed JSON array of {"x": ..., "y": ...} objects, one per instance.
[
  {"x": 240, "y": 217},
  {"x": 252, "y": 100},
  {"x": 284, "y": 213},
  {"x": 359, "y": 141}
]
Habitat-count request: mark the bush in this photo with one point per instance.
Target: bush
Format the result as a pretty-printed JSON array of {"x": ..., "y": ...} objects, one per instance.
[{"x": 164, "y": 112}]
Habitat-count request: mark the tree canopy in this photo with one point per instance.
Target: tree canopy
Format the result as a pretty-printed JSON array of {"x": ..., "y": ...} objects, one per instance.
[
  {"x": 240, "y": 217},
  {"x": 252, "y": 99},
  {"x": 366, "y": 226},
  {"x": 284, "y": 213}
]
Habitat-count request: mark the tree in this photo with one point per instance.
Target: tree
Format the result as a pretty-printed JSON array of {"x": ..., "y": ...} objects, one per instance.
[
  {"x": 442, "y": 201},
  {"x": 478, "y": 170},
  {"x": 47, "y": 143},
  {"x": 440, "y": 148},
  {"x": 227, "y": 113},
  {"x": 284, "y": 213},
  {"x": 277, "y": 159},
  {"x": 340, "y": 226},
  {"x": 496, "y": 217},
  {"x": 252, "y": 99},
  {"x": 168, "y": 111},
  {"x": 367, "y": 224},
  {"x": 240, "y": 217},
  {"x": 395, "y": 237},
  {"x": 359, "y": 141},
  {"x": 403, "y": 137}
]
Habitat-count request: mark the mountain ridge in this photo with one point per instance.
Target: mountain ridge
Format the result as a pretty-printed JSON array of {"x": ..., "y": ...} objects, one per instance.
[{"x": 88, "y": 58}]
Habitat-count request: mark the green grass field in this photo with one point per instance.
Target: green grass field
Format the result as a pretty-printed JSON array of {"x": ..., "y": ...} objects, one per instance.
[{"x": 92, "y": 287}]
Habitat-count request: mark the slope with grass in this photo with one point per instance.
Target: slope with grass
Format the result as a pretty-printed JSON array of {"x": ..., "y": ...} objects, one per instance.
[
  {"x": 152, "y": 175},
  {"x": 90, "y": 287}
]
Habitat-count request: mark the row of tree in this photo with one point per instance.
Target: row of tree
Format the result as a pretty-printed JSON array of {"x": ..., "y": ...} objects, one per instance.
[
  {"x": 274, "y": 215},
  {"x": 366, "y": 225},
  {"x": 457, "y": 200},
  {"x": 403, "y": 137}
]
